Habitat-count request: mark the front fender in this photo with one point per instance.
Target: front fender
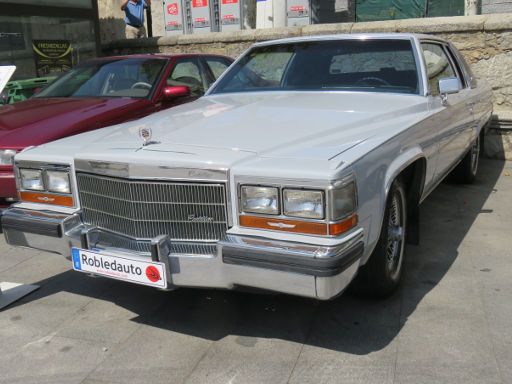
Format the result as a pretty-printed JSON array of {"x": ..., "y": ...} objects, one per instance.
[
  {"x": 405, "y": 159},
  {"x": 395, "y": 168}
]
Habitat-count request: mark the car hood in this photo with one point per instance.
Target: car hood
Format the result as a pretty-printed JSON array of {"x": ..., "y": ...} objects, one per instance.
[
  {"x": 227, "y": 129},
  {"x": 39, "y": 120}
]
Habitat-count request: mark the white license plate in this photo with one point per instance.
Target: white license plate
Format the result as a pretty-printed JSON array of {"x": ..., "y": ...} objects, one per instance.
[{"x": 119, "y": 267}]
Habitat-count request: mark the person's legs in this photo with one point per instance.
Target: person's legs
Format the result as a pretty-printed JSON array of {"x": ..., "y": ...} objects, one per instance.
[
  {"x": 131, "y": 32},
  {"x": 141, "y": 32}
]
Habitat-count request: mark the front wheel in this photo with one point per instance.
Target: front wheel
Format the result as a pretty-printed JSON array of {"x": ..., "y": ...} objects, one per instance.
[
  {"x": 380, "y": 276},
  {"x": 465, "y": 172}
]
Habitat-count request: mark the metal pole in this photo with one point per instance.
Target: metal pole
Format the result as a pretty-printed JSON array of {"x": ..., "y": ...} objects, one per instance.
[{"x": 149, "y": 19}]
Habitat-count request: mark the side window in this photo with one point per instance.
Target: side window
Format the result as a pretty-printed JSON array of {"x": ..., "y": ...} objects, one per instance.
[
  {"x": 458, "y": 66},
  {"x": 187, "y": 72},
  {"x": 438, "y": 65},
  {"x": 217, "y": 66}
]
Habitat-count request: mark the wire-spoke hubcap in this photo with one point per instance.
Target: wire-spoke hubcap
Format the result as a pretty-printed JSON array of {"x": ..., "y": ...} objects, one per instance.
[
  {"x": 475, "y": 153},
  {"x": 396, "y": 234}
]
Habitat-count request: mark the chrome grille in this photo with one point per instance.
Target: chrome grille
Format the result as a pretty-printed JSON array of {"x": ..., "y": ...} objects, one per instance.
[
  {"x": 146, "y": 209},
  {"x": 144, "y": 246}
]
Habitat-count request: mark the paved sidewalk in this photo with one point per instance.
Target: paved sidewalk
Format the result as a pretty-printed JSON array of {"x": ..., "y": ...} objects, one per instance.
[{"x": 451, "y": 322}]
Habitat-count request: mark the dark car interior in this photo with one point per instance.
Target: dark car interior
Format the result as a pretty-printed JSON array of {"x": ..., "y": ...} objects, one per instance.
[
  {"x": 116, "y": 78},
  {"x": 373, "y": 65}
]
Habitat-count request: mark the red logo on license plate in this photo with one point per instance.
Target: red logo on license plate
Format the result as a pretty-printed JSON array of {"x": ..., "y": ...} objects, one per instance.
[{"x": 152, "y": 274}]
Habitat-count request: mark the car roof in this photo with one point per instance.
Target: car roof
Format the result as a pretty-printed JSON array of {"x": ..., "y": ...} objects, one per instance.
[
  {"x": 163, "y": 56},
  {"x": 351, "y": 36}
]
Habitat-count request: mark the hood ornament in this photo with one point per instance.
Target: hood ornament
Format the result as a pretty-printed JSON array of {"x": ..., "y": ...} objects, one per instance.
[{"x": 145, "y": 134}]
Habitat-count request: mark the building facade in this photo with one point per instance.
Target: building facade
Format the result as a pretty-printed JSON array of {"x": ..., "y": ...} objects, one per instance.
[{"x": 45, "y": 37}]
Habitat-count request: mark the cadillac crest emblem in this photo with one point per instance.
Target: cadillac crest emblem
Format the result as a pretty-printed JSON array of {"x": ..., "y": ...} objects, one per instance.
[{"x": 145, "y": 134}]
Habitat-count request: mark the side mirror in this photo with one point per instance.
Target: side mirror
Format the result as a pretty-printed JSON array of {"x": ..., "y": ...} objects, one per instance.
[
  {"x": 173, "y": 92},
  {"x": 448, "y": 86}
]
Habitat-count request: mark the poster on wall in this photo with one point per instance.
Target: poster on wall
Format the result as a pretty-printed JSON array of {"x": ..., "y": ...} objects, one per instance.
[
  {"x": 52, "y": 56},
  {"x": 173, "y": 17},
  {"x": 201, "y": 17},
  {"x": 199, "y": 3},
  {"x": 230, "y": 15}
]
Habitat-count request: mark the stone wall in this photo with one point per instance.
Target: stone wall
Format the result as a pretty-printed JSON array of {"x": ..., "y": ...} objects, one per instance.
[{"x": 496, "y": 6}]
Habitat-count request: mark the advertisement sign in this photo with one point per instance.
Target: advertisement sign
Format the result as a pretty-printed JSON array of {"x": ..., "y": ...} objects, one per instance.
[
  {"x": 6, "y": 72},
  {"x": 199, "y": 3},
  {"x": 230, "y": 15},
  {"x": 201, "y": 16},
  {"x": 173, "y": 17},
  {"x": 52, "y": 56},
  {"x": 297, "y": 13}
]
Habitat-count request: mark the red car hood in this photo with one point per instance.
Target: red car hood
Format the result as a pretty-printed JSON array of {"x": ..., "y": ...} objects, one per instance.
[{"x": 38, "y": 121}]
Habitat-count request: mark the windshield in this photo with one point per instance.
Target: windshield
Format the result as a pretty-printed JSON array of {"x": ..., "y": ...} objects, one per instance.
[
  {"x": 363, "y": 65},
  {"x": 120, "y": 78}
]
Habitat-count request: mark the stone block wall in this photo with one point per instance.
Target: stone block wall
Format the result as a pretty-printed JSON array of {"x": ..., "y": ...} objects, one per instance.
[{"x": 496, "y": 6}]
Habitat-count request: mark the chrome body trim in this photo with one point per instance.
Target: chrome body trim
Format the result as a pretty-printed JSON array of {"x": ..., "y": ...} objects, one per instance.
[
  {"x": 200, "y": 270},
  {"x": 151, "y": 172}
]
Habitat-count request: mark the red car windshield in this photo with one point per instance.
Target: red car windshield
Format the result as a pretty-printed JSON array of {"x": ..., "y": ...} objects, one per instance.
[{"x": 120, "y": 78}]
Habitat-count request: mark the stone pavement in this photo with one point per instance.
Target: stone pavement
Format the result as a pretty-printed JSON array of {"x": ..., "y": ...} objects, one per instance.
[{"x": 451, "y": 321}]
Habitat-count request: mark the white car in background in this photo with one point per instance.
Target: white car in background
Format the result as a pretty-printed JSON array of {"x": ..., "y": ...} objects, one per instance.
[{"x": 301, "y": 169}]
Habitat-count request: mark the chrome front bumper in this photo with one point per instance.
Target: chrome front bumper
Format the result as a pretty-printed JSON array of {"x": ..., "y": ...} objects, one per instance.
[{"x": 294, "y": 268}]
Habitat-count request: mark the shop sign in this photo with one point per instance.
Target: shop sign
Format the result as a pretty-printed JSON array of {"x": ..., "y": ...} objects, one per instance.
[{"x": 52, "y": 56}]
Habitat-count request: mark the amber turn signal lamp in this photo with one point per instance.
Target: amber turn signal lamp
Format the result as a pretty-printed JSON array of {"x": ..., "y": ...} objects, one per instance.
[
  {"x": 298, "y": 226},
  {"x": 343, "y": 226},
  {"x": 46, "y": 198},
  {"x": 284, "y": 225}
]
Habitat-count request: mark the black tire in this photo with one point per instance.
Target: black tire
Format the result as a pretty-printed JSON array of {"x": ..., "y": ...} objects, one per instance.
[
  {"x": 381, "y": 275},
  {"x": 465, "y": 172}
]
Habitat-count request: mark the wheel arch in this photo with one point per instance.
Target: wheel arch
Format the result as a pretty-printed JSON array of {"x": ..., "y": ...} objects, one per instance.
[{"x": 411, "y": 167}]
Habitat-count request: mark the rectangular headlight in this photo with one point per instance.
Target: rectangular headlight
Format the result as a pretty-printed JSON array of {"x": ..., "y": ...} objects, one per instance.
[
  {"x": 303, "y": 203},
  {"x": 6, "y": 156},
  {"x": 255, "y": 199},
  {"x": 31, "y": 179},
  {"x": 58, "y": 181},
  {"x": 343, "y": 201}
]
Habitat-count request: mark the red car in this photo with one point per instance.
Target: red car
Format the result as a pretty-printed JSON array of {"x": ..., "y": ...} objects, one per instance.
[{"x": 99, "y": 93}]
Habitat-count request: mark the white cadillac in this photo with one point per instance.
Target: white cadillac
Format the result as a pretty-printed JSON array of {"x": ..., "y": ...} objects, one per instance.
[{"x": 301, "y": 169}]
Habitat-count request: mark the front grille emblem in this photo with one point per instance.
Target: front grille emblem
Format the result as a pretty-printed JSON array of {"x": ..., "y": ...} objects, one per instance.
[{"x": 200, "y": 219}]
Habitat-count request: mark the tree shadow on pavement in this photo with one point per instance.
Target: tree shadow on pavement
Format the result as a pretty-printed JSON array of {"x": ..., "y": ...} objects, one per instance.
[{"x": 347, "y": 324}]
